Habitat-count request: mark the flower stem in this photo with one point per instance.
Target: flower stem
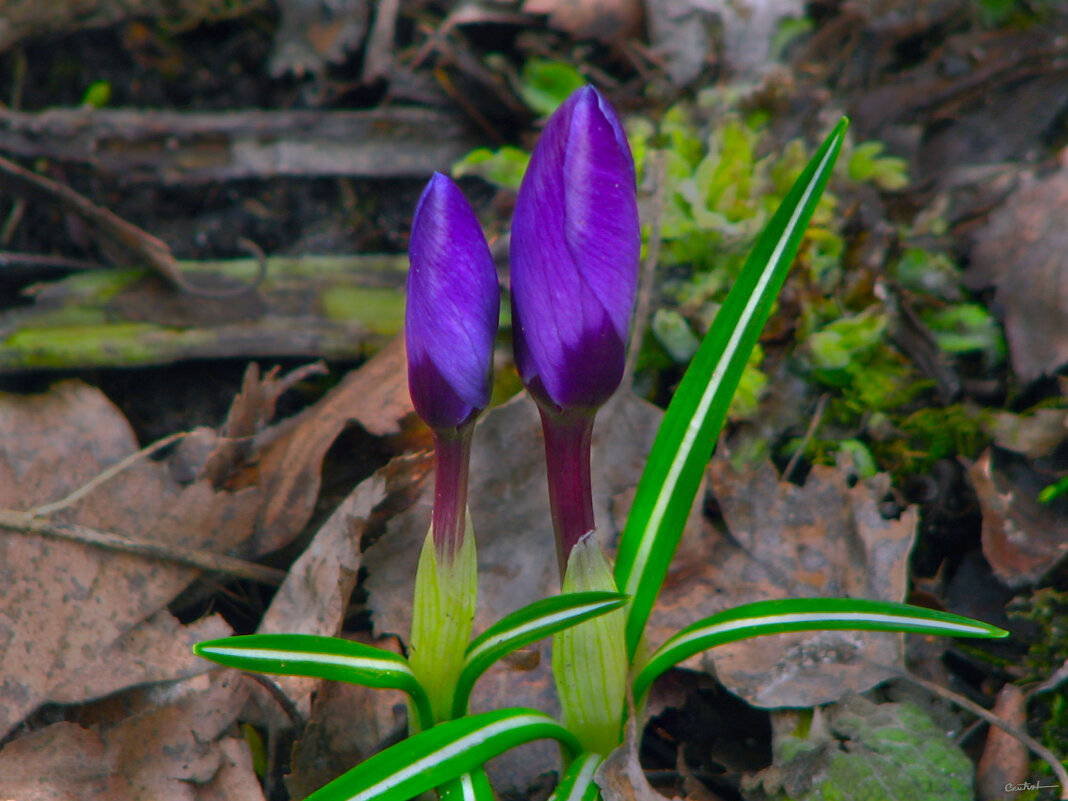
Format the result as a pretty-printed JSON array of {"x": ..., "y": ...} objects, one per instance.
[
  {"x": 567, "y": 456},
  {"x": 452, "y": 457}
]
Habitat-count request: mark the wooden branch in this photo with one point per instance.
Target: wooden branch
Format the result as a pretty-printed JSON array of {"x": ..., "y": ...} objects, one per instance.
[
  {"x": 176, "y": 148},
  {"x": 333, "y": 307},
  {"x": 29, "y": 19}
]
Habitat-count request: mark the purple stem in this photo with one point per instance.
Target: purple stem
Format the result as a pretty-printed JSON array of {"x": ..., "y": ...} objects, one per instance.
[
  {"x": 567, "y": 458},
  {"x": 452, "y": 457}
]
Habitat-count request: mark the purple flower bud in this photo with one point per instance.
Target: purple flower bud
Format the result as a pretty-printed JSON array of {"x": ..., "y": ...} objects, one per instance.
[
  {"x": 574, "y": 256},
  {"x": 450, "y": 323},
  {"x": 452, "y": 309}
]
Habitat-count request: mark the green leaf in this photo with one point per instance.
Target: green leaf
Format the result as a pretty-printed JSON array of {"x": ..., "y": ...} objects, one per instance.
[
  {"x": 319, "y": 657},
  {"x": 545, "y": 84},
  {"x": 695, "y": 416},
  {"x": 432, "y": 757},
  {"x": 473, "y": 786},
  {"x": 804, "y": 614},
  {"x": 526, "y": 626},
  {"x": 577, "y": 783},
  {"x": 503, "y": 167}
]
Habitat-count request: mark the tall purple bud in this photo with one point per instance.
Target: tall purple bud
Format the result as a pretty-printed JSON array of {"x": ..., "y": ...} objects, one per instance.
[
  {"x": 575, "y": 250},
  {"x": 450, "y": 324}
]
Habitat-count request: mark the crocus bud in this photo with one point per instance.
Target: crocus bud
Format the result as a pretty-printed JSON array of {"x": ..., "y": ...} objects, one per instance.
[
  {"x": 453, "y": 305},
  {"x": 450, "y": 324},
  {"x": 575, "y": 248}
]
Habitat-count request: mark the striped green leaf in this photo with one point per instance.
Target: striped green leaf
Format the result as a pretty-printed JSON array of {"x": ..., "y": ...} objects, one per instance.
[
  {"x": 526, "y": 626},
  {"x": 322, "y": 658},
  {"x": 433, "y": 757},
  {"x": 804, "y": 614},
  {"x": 577, "y": 783},
  {"x": 473, "y": 786},
  {"x": 695, "y": 416}
]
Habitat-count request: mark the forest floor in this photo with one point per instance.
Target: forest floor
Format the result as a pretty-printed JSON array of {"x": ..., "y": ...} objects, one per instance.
[{"x": 205, "y": 426}]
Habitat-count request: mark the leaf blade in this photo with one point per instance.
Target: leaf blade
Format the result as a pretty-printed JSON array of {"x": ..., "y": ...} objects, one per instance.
[
  {"x": 804, "y": 614},
  {"x": 433, "y": 757},
  {"x": 319, "y": 657},
  {"x": 525, "y": 626},
  {"x": 696, "y": 414}
]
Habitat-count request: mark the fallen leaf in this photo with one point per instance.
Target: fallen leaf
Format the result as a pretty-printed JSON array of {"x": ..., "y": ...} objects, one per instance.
[
  {"x": 508, "y": 498},
  {"x": 620, "y": 776},
  {"x": 156, "y": 650},
  {"x": 826, "y": 538},
  {"x": 68, "y": 611},
  {"x": 681, "y": 32},
  {"x": 235, "y": 780},
  {"x": 163, "y": 750},
  {"x": 1005, "y": 759},
  {"x": 1023, "y": 253},
  {"x": 375, "y": 396},
  {"x": 604, "y": 20},
  {"x": 250, "y": 412},
  {"x": 1023, "y": 539},
  {"x": 315, "y": 594},
  {"x": 1035, "y": 435},
  {"x": 314, "y": 33}
]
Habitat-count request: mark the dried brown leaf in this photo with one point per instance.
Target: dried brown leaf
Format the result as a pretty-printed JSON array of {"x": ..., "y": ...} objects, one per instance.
[
  {"x": 315, "y": 33},
  {"x": 70, "y": 611},
  {"x": 1005, "y": 760},
  {"x": 1023, "y": 253},
  {"x": 235, "y": 780},
  {"x": 165, "y": 749},
  {"x": 1022, "y": 539},
  {"x": 374, "y": 396},
  {"x": 315, "y": 594},
  {"x": 605, "y": 20},
  {"x": 621, "y": 777},
  {"x": 826, "y": 538}
]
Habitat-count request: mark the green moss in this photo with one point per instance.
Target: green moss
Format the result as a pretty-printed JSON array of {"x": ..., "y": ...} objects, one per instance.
[
  {"x": 122, "y": 344},
  {"x": 380, "y": 310}
]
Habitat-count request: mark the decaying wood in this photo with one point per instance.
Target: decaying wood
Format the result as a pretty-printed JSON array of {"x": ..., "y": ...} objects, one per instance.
[
  {"x": 180, "y": 148},
  {"x": 334, "y": 307},
  {"x": 29, "y": 19}
]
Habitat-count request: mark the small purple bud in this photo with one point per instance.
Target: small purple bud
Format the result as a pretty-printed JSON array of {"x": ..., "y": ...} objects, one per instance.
[
  {"x": 452, "y": 310},
  {"x": 450, "y": 323},
  {"x": 575, "y": 249}
]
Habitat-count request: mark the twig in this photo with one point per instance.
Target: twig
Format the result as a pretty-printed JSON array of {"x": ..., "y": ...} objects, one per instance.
[
  {"x": 24, "y": 523},
  {"x": 810, "y": 432},
  {"x": 38, "y": 260},
  {"x": 1052, "y": 683},
  {"x": 655, "y": 165},
  {"x": 132, "y": 242},
  {"x": 105, "y": 475},
  {"x": 280, "y": 698},
  {"x": 11, "y": 224},
  {"x": 1036, "y": 747}
]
